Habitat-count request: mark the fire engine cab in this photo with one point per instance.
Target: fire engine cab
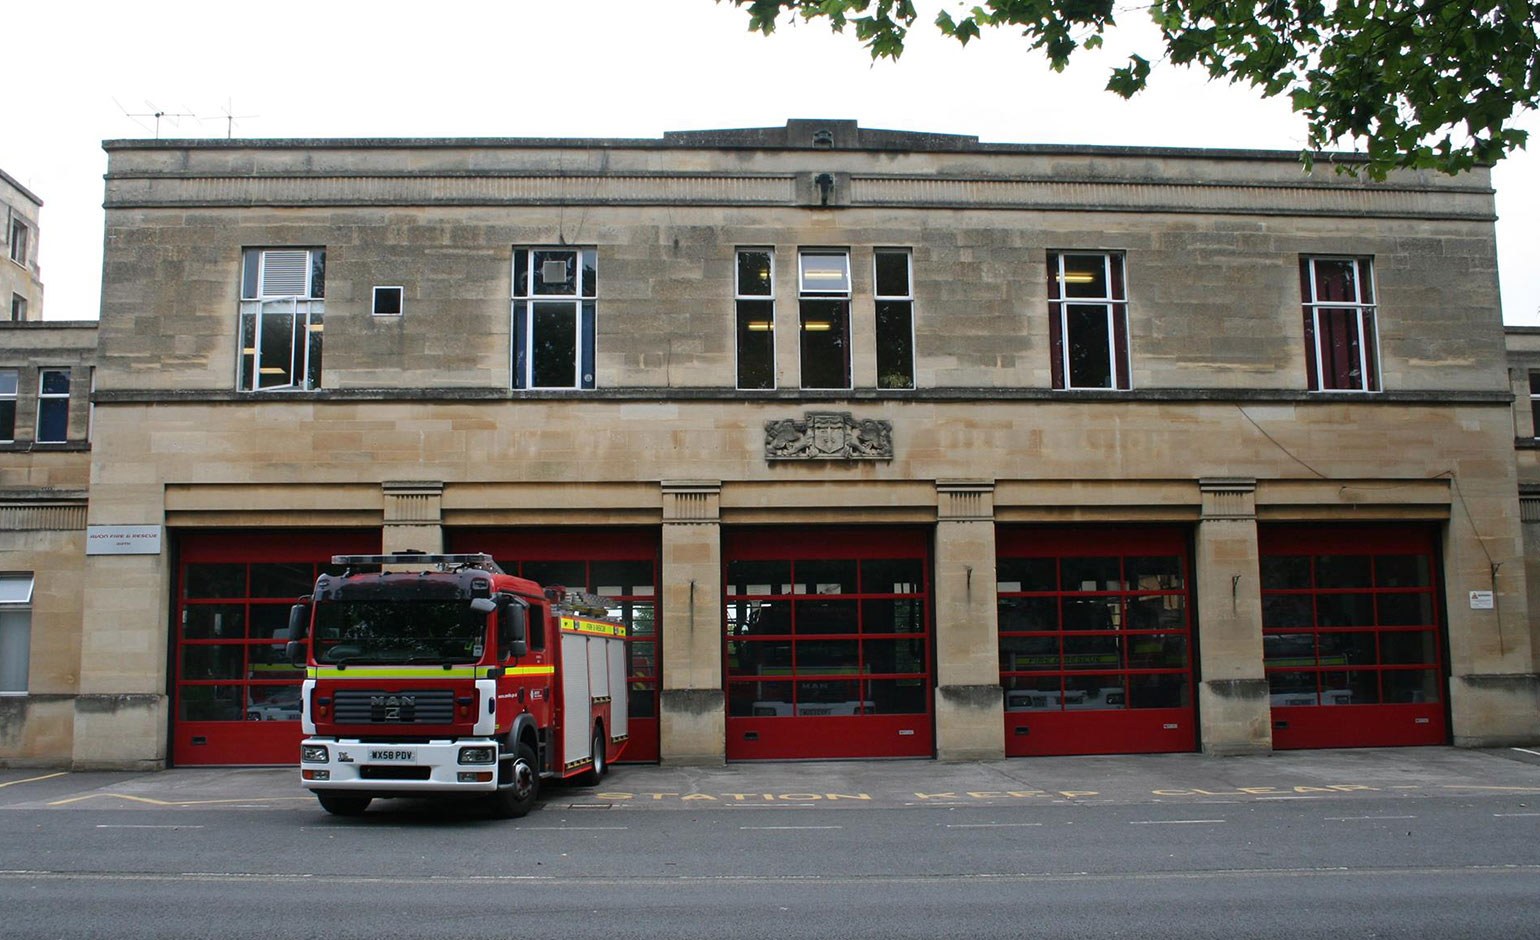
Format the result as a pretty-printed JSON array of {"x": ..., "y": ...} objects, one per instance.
[{"x": 443, "y": 676}]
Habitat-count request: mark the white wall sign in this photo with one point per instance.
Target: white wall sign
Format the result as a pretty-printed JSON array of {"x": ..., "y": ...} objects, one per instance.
[
  {"x": 122, "y": 540},
  {"x": 1481, "y": 600}
]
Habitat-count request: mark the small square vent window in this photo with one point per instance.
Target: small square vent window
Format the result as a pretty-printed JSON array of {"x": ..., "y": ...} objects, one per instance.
[{"x": 387, "y": 301}]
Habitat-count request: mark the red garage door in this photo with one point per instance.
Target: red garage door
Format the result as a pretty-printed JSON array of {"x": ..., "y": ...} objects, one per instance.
[
  {"x": 619, "y": 563},
  {"x": 1351, "y": 636},
  {"x": 236, "y": 698},
  {"x": 1095, "y": 640},
  {"x": 827, "y": 640}
]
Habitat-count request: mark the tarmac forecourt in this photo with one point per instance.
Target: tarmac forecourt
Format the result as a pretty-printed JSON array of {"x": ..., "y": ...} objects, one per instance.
[{"x": 1178, "y": 778}]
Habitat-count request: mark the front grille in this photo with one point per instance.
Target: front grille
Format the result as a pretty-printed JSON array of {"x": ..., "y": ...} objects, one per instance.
[
  {"x": 387, "y": 772},
  {"x": 375, "y": 706}
]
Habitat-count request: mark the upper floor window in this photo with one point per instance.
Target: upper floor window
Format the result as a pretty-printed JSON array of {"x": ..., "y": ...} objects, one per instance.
[
  {"x": 18, "y": 308},
  {"x": 894, "y": 289},
  {"x": 754, "y": 300},
  {"x": 1534, "y": 400},
  {"x": 1088, "y": 319},
  {"x": 1341, "y": 341},
  {"x": 282, "y": 309},
  {"x": 19, "y": 234},
  {"x": 53, "y": 406},
  {"x": 555, "y": 298},
  {"x": 15, "y": 631},
  {"x": 8, "y": 387},
  {"x": 823, "y": 285}
]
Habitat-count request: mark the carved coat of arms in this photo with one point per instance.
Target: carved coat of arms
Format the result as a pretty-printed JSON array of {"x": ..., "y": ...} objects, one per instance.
[{"x": 828, "y": 435}]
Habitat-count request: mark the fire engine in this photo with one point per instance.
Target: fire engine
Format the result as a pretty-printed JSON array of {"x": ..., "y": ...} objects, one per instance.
[{"x": 444, "y": 676}]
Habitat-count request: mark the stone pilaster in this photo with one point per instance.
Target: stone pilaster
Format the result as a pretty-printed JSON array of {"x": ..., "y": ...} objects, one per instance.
[
  {"x": 1232, "y": 698},
  {"x": 692, "y": 723},
  {"x": 413, "y": 516},
  {"x": 970, "y": 716}
]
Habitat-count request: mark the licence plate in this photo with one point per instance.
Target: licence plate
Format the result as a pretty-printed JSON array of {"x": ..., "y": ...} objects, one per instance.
[{"x": 393, "y": 755}]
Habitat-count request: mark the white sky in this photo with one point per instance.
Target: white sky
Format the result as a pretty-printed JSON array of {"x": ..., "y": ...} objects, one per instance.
[{"x": 573, "y": 68}]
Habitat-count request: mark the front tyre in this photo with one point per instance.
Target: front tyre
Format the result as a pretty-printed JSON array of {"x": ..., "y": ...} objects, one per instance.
[
  {"x": 518, "y": 798},
  {"x": 342, "y": 804}
]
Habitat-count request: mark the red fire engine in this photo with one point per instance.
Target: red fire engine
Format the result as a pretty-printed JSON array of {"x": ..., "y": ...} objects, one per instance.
[{"x": 453, "y": 678}]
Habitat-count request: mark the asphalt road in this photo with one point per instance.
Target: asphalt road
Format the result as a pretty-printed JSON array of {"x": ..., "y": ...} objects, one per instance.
[{"x": 1431, "y": 843}]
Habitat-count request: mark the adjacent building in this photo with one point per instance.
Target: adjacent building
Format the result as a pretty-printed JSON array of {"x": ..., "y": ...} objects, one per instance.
[
  {"x": 887, "y": 443},
  {"x": 21, "y": 281}
]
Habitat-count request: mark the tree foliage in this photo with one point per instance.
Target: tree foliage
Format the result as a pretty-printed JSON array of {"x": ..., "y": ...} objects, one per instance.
[{"x": 1409, "y": 83}]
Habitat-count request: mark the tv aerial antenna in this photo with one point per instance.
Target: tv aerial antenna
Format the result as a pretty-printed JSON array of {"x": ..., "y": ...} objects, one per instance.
[
  {"x": 230, "y": 117},
  {"x": 173, "y": 117}
]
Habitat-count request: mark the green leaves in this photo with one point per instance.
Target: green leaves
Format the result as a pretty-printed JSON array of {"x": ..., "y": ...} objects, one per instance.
[{"x": 1408, "y": 83}]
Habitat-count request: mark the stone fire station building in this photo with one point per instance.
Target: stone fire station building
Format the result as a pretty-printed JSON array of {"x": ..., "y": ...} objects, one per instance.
[{"x": 888, "y": 443}]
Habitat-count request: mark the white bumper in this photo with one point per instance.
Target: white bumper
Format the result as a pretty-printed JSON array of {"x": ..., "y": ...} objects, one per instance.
[{"x": 404, "y": 769}]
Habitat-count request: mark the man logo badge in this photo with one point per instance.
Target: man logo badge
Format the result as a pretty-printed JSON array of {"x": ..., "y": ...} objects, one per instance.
[{"x": 392, "y": 707}]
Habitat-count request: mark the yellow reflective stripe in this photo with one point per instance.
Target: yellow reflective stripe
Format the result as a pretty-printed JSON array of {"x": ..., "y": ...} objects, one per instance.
[
  {"x": 592, "y": 627},
  {"x": 390, "y": 672},
  {"x": 530, "y": 671}
]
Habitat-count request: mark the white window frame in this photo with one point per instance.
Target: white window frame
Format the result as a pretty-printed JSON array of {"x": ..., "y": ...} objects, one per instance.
[
  {"x": 262, "y": 305},
  {"x": 739, "y": 295},
  {"x": 1368, "y": 370},
  {"x": 12, "y": 602},
  {"x": 374, "y": 301},
  {"x": 906, "y": 297},
  {"x": 44, "y": 397},
  {"x": 522, "y": 318},
  {"x": 819, "y": 292},
  {"x": 1111, "y": 305},
  {"x": 14, "y": 397}
]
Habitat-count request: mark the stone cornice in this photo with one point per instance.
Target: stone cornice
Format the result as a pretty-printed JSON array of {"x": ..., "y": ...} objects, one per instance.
[{"x": 739, "y": 396}]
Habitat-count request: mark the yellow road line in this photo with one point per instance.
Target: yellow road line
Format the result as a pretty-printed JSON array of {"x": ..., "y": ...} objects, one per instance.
[
  {"x": 12, "y": 783},
  {"x": 155, "y": 802}
]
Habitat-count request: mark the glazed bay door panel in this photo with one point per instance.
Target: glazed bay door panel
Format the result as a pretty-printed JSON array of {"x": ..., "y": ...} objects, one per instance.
[{"x": 827, "y": 643}]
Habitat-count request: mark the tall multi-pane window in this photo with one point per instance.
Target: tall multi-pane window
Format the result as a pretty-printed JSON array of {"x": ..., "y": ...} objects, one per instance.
[
  {"x": 1534, "y": 400},
  {"x": 754, "y": 299},
  {"x": 53, "y": 406},
  {"x": 1341, "y": 341},
  {"x": 18, "y": 308},
  {"x": 9, "y": 383},
  {"x": 894, "y": 290},
  {"x": 15, "y": 631},
  {"x": 19, "y": 241},
  {"x": 1088, "y": 319},
  {"x": 823, "y": 286},
  {"x": 282, "y": 307},
  {"x": 555, "y": 297}
]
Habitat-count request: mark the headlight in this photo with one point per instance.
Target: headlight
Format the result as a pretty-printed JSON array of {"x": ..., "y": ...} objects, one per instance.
[
  {"x": 312, "y": 753},
  {"x": 478, "y": 755}
]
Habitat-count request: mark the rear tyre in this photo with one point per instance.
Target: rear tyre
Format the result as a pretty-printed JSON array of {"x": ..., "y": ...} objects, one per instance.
[
  {"x": 518, "y": 798},
  {"x": 595, "y": 773},
  {"x": 342, "y": 804}
]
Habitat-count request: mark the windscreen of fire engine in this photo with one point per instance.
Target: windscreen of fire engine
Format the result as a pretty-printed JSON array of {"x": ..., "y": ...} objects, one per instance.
[
  {"x": 393, "y": 631},
  {"x": 826, "y": 637}
]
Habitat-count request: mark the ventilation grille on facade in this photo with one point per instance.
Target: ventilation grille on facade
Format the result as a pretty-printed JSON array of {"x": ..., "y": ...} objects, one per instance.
[{"x": 1529, "y": 508}]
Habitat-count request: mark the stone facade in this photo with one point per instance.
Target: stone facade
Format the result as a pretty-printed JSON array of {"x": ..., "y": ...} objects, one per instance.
[
  {"x": 21, "y": 279},
  {"x": 415, "y": 428}
]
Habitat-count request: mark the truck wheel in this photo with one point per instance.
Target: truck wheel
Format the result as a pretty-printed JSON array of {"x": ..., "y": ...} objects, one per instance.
[
  {"x": 592, "y": 776},
  {"x": 517, "y": 799},
  {"x": 342, "y": 804}
]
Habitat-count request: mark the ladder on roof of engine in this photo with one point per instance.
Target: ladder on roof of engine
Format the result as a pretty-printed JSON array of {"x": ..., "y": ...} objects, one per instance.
[
  {"x": 583, "y": 602},
  {"x": 444, "y": 562}
]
